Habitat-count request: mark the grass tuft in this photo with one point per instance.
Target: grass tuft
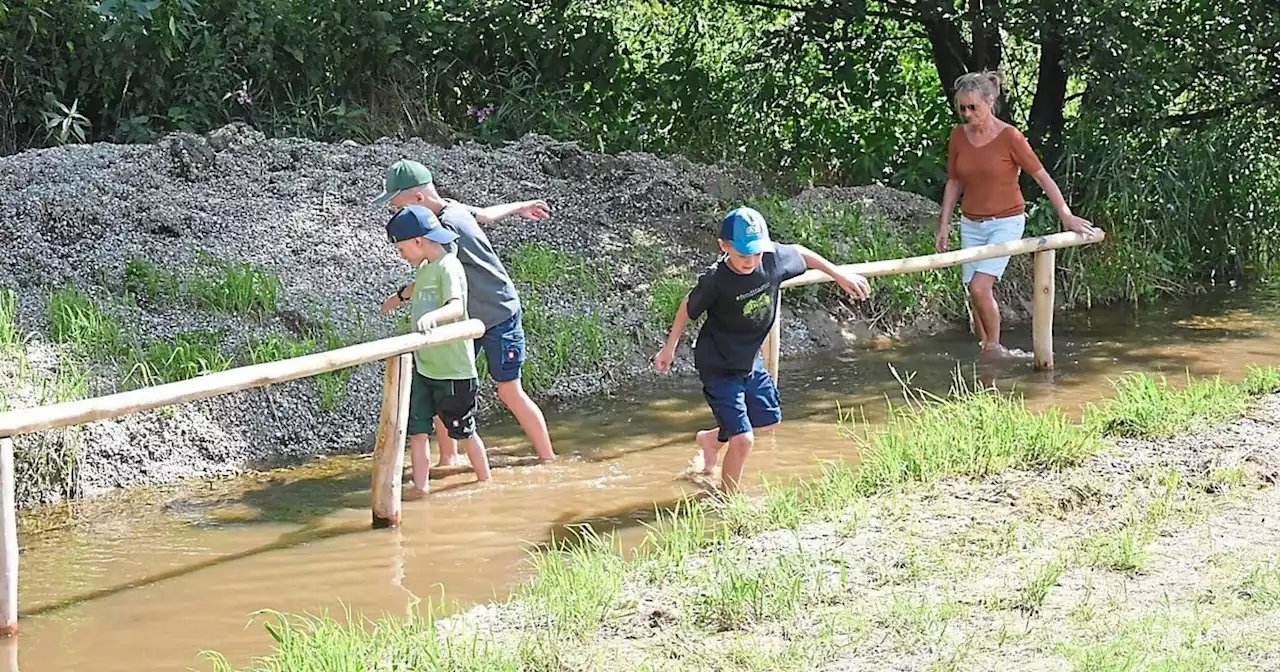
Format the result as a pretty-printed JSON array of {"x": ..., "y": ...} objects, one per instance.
[
  {"x": 665, "y": 298},
  {"x": 415, "y": 643},
  {"x": 10, "y": 338},
  {"x": 1031, "y": 596},
  {"x": 971, "y": 433},
  {"x": 1148, "y": 407},
  {"x": 143, "y": 279},
  {"x": 576, "y": 583},
  {"x": 237, "y": 287},
  {"x": 539, "y": 265},
  {"x": 77, "y": 320},
  {"x": 742, "y": 594},
  {"x": 188, "y": 355},
  {"x": 1262, "y": 585}
]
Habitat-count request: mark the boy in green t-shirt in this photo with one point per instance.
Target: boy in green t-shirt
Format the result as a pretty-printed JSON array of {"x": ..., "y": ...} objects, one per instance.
[{"x": 444, "y": 376}]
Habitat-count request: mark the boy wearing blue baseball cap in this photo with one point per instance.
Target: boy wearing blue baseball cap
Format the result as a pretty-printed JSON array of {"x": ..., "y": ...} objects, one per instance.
[
  {"x": 739, "y": 295},
  {"x": 444, "y": 376}
]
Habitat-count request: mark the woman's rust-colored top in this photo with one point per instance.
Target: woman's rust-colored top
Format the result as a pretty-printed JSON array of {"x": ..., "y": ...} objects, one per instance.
[{"x": 990, "y": 173}]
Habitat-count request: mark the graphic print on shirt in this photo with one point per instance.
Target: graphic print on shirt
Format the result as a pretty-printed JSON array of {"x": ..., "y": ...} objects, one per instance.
[{"x": 758, "y": 308}]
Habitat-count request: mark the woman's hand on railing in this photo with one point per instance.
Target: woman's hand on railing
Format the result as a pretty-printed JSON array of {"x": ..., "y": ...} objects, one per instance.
[{"x": 1073, "y": 222}]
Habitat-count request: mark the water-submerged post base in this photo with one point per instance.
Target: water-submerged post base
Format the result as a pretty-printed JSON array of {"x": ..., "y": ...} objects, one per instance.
[
  {"x": 8, "y": 542},
  {"x": 1042, "y": 309},
  {"x": 388, "y": 452}
]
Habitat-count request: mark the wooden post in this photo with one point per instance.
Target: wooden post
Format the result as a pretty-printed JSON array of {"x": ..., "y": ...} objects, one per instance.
[
  {"x": 773, "y": 344},
  {"x": 9, "y": 654},
  {"x": 8, "y": 542},
  {"x": 388, "y": 452},
  {"x": 1042, "y": 309}
]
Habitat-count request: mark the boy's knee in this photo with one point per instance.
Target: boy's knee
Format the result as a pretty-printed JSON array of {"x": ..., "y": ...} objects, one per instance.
[{"x": 510, "y": 391}]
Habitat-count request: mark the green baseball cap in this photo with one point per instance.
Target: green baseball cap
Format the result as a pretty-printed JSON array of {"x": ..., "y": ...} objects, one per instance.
[{"x": 403, "y": 174}]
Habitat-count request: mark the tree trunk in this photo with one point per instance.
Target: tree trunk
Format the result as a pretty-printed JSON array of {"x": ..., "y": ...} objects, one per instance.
[
  {"x": 988, "y": 49},
  {"x": 1046, "y": 121},
  {"x": 950, "y": 53}
]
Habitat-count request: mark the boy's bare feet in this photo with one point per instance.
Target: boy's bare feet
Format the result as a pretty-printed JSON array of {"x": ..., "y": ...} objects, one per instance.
[
  {"x": 707, "y": 441},
  {"x": 412, "y": 493},
  {"x": 446, "y": 461}
]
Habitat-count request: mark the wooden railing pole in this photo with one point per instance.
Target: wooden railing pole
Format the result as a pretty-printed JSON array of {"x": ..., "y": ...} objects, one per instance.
[
  {"x": 773, "y": 345},
  {"x": 1042, "y": 309},
  {"x": 8, "y": 542},
  {"x": 27, "y": 420},
  {"x": 388, "y": 452}
]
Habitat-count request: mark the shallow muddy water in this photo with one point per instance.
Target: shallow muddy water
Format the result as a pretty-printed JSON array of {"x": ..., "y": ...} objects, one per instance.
[{"x": 146, "y": 580}]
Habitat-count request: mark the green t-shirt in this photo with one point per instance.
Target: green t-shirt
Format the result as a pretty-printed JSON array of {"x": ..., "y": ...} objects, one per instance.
[{"x": 436, "y": 284}]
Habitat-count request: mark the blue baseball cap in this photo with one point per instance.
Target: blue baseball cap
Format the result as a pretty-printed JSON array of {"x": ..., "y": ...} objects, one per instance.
[
  {"x": 745, "y": 228},
  {"x": 414, "y": 221}
]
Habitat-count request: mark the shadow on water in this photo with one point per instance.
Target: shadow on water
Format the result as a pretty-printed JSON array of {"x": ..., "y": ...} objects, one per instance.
[
  {"x": 290, "y": 540},
  {"x": 572, "y": 532}
]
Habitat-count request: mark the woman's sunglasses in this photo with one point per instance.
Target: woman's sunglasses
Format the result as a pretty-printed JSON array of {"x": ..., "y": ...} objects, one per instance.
[{"x": 971, "y": 107}]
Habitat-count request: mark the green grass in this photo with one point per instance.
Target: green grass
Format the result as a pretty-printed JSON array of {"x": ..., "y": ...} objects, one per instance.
[
  {"x": 188, "y": 355},
  {"x": 665, "y": 298},
  {"x": 10, "y": 338},
  {"x": 142, "y": 279},
  {"x": 413, "y": 643},
  {"x": 1031, "y": 596},
  {"x": 741, "y": 594},
  {"x": 1261, "y": 586},
  {"x": 537, "y": 265},
  {"x": 1146, "y": 406},
  {"x": 557, "y": 345},
  {"x": 971, "y": 433},
  {"x": 79, "y": 321},
  {"x": 236, "y": 288},
  {"x": 332, "y": 385}
]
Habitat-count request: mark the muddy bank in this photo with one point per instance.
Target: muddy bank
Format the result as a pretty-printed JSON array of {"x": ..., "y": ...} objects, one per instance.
[
  {"x": 147, "y": 263},
  {"x": 1151, "y": 553}
]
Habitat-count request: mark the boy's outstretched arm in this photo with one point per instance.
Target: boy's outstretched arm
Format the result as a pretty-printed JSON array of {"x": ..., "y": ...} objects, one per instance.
[
  {"x": 451, "y": 311},
  {"x": 662, "y": 362},
  {"x": 536, "y": 209},
  {"x": 856, "y": 285}
]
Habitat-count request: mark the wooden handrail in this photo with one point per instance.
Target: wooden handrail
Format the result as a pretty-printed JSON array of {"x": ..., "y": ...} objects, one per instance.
[
  {"x": 27, "y": 420},
  {"x": 929, "y": 262}
]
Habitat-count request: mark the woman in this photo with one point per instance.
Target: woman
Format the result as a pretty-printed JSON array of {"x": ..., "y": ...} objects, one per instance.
[{"x": 983, "y": 160}]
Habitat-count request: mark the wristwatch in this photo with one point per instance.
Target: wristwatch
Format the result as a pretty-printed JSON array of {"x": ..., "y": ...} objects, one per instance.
[{"x": 400, "y": 293}]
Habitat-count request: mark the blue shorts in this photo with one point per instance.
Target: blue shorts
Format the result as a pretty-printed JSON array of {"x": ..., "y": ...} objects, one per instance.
[
  {"x": 503, "y": 346},
  {"x": 741, "y": 402},
  {"x": 990, "y": 232}
]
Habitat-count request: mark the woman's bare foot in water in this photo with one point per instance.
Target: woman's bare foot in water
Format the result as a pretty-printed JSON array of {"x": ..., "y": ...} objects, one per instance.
[{"x": 706, "y": 440}]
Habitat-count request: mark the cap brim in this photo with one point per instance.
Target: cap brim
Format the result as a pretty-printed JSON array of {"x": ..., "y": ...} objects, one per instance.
[
  {"x": 754, "y": 247},
  {"x": 441, "y": 235},
  {"x": 383, "y": 198}
]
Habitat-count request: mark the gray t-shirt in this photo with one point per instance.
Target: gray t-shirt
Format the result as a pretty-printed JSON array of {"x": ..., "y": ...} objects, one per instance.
[{"x": 492, "y": 297}]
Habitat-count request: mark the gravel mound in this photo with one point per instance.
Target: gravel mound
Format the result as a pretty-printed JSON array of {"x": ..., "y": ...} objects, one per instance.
[{"x": 300, "y": 210}]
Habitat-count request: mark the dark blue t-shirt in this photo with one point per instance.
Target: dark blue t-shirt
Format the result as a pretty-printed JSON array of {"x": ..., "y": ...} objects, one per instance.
[{"x": 740, "y": 309}]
